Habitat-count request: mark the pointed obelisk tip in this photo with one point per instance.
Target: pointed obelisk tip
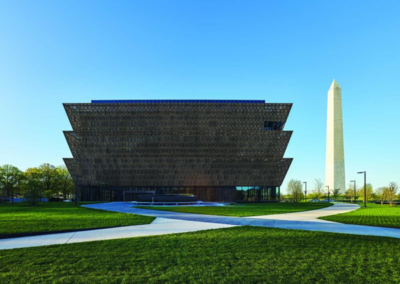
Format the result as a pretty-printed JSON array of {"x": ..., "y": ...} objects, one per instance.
[{"x": 335, "y": 84}]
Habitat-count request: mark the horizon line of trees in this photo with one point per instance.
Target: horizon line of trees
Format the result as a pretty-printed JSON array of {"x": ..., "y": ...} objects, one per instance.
[
  {"x": 44, "y": 181},
  {"x": 388, "y": 193}
]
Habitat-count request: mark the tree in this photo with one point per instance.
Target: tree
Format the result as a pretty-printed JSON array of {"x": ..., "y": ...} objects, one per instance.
[
  {"x": 48, "y": 194},
  {"x": 312, "y": 195},
  {"x": 10, "y": 178},
  {"x": 336, "y": 193},
  {"x": 295, "y": 190},
  {"x": 49, "y": 177},
  {"x": 382, "y": 194},
  {"x": 369, "y": 191},
  {"x": 391, "y": 192},
  {"x": 318, "y": 189},
  {"x": 350, "y": 192},
  {"x": 33, "y": 184},
  {"x": 65, "y": 183}
]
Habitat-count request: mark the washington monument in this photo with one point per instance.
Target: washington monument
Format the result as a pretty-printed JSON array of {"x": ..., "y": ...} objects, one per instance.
[{"x": 334, "y": 167}]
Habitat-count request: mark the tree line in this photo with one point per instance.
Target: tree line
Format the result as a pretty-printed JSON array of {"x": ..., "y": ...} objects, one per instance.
[
  {"x": 44, "y": 181},
  {"x": 385, "y": 194}
]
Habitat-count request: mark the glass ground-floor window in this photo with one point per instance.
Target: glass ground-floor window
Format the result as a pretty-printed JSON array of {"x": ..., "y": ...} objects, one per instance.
[
  {"x": 256, "y": 193},
  {"x": 203, "y": 193}
]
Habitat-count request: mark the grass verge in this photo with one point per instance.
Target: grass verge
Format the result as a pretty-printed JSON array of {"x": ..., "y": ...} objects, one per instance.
[
  {"x": 243, "y": 210},
  {"x": 47, "y": 217},
  {"x": 373, "y": 215},
  {"x": 233, "y": 255}
]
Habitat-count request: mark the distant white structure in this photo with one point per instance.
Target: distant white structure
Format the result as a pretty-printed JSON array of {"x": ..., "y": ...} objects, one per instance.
[{"x": 334, "y": 167}]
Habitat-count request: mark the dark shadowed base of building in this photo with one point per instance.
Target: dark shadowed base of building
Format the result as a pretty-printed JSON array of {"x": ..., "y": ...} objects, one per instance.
[{"x": 213, "y": 194}]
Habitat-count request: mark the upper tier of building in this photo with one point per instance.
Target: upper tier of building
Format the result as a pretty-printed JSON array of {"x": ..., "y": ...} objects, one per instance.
[{"x": 178, "y": 101}]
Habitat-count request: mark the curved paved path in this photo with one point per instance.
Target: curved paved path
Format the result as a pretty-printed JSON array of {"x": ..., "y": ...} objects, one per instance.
[
  {"x": 306, "y": 220},
  {"x": 307, "y": 216},
  {"x": 174, "y": 222},
  {"x": 312, "y": 215},
  {"x": 160, "y": 226}
]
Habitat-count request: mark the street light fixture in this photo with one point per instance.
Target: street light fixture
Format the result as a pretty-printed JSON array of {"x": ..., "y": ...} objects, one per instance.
[
  {"x": 365, "y": 187},
  {"x": 354, "y": 190},
  {"x": 305, "y": 191}
]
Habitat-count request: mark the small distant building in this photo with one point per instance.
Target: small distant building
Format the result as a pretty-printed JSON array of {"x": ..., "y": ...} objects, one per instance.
[{"x": 217, "y": 150}]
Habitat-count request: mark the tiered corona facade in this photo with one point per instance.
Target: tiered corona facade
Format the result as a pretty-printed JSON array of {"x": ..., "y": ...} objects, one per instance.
[{"x": 217, "y": 150}]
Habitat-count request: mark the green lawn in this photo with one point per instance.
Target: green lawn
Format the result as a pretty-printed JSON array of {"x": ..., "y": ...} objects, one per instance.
[
  {"x": 373, "y": 215},
  {"x": 23, "y": 218},
  {"x": 243, "y": 210},
  {"x": 233, "y": 255}
]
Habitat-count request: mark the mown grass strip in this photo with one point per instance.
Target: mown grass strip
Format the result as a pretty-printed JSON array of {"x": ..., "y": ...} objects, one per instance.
[
  {"x": 243, "y": 210},
  {"x": 234, "y": 255},
  {"x": 49, "y": 217},
  {"x": 373, "y": 215}
]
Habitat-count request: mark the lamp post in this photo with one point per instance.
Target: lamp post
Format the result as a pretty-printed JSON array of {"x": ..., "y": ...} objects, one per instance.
[
  {"x": 305, "y": 191},
  {"x": 354, "y": 190},
  {"x": 365, "y": 187},
  {"x": 328, "y": 193}
]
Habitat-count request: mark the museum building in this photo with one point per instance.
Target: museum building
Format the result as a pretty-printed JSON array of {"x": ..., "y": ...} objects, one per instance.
[{"x": 217, "y": 150}]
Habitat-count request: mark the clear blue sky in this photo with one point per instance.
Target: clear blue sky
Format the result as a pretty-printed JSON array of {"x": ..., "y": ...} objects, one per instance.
[{"x": 281, "y": 51}]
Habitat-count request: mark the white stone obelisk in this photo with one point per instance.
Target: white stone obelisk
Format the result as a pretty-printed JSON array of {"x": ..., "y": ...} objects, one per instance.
[{"x": 334, "y": 167}]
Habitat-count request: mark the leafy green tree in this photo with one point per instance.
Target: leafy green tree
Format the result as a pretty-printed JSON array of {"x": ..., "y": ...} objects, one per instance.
[
  {"x": 369, "y": 191},
  {"x": 336, "y": 193},
  {"x": 295, "y": 190},
  {"x": 382, "y": 194},
  {"x": 48, "y": 194},
  {"x": 318, "y": 189},
  {"x": 33, "y": 184},
  {"x": 64, "y": 183},
  {"x": 392, "y": 191},
  {"x": 312, "y": 195},
  {"x": 49, "y": 177},
  {"x": 10, "y": 179},
  {"x": 350, "y": 192}
]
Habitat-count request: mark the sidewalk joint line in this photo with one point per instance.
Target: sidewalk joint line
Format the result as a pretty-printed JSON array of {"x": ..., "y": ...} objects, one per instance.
[{"x": 70, "y": 237}]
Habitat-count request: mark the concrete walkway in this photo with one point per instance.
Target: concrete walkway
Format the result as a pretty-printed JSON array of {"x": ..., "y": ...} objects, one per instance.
[
  {"x": 312, "y": 215},
  {"x": 308, "y": 216},
  {"x": 306, "y": 220},
  {"x": 174, "y": 222},
  {"x": 160, "y": 226}
]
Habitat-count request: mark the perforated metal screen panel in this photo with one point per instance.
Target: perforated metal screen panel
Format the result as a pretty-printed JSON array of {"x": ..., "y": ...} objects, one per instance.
[{"x": 169, "y": 143}]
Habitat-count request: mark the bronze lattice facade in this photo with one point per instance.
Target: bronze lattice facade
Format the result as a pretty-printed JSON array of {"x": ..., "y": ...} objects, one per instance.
[{"x": 216, "y": 150}]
